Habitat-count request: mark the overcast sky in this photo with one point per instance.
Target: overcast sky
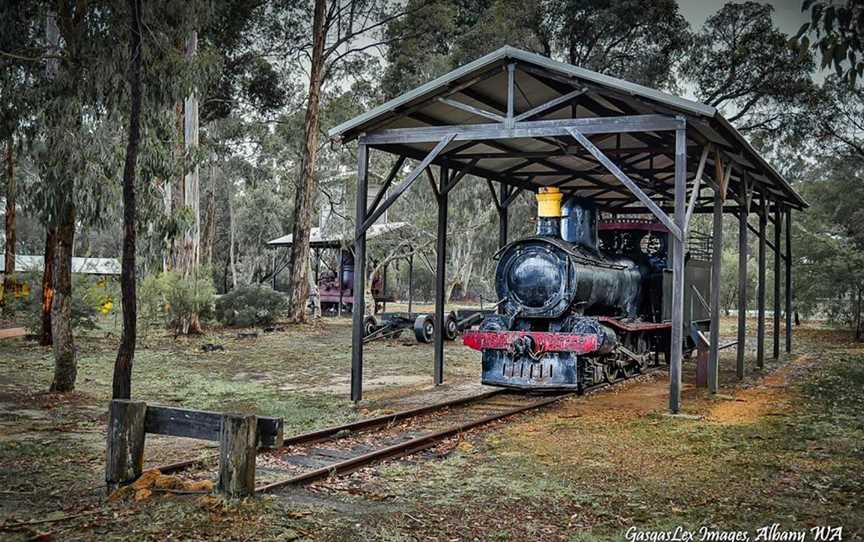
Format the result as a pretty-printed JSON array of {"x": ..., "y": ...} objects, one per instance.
[{"x": 787, "y": 13}]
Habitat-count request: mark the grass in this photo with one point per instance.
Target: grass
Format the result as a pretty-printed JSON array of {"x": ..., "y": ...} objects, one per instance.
[
  {"x": 784, "y": 446},
  {"x": 573, "y": 474}
]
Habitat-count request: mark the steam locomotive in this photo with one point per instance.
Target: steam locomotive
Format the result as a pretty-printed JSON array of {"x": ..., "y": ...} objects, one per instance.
[
  {"x": 584, "y": 302},
  {"x": 334, "y": 292}
]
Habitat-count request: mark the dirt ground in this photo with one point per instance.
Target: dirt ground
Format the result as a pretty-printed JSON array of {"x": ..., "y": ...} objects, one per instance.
[{"x": 783, "y": 446}]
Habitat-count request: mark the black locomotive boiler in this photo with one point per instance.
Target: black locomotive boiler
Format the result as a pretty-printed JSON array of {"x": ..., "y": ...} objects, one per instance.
[{"x": 583, "y": 302}]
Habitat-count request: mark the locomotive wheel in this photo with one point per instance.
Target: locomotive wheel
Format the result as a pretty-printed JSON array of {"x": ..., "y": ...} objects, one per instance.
[
  {"x": 610, "y": 373},
  {"x": 643, "y": 348},
  {"x": 628, "y": 370},
  {"x": 370, "y": 324},
  {"x": 424, "y": 328},
  {"x": 451, "y": 331}
]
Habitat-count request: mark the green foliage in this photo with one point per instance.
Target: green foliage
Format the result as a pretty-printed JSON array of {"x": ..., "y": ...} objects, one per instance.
[
  {"x": 741, "y": 63},
  {"x": 838, "y": 28},
  {"x": 639, "y": 41},
  {"x": 250, "y": 306},
  {"x": 829, "y": 244},
  {"x": 635, "y": 40},
  {"x": 177, "y": 301},
  {"x": 91, "y": 296}
]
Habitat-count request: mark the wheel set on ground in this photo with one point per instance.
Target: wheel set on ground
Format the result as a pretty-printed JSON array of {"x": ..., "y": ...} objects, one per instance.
[
  {"x": 390, "y": 325},
  {"x": 424, "y": 327}
]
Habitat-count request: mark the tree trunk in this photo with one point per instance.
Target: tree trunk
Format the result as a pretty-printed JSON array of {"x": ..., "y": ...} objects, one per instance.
[
  {"x": 65, "y": 364},
  {"x": 50, "y": 261},
  {"x": 191, "y": 192},
  {"x": 231, "y": 228},
  {"x": 858, "y": 330},
  {"x": 209, "y": 235},
  {"x": 122, "y": 388},
  {"x": 9, "y": 273},
  {"x": 176, "y": 191},
  {"x": 303, "y": 201}
]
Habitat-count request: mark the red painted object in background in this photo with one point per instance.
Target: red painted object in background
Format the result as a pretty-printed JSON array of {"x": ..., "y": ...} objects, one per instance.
[{"x": 544, "y": 341}]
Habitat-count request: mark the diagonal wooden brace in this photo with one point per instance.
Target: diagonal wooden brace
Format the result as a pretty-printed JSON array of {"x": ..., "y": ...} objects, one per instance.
[
  {"x": 628, "y": 182},
  {"x": 406, "y": 184}
]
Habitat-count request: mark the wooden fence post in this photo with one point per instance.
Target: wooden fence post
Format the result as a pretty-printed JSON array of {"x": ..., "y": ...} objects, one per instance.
[
  {"x": 125, "y": 447},
  {"x": 237, "y": 445}
]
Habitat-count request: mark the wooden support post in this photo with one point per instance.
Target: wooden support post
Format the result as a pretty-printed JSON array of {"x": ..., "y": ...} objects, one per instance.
[
  {"x": 511, "y": 95},
  {"x": 440, "y": 276},
  {"x": 125, "y": 445},
  {"x": 410, "y": 282},
  {"x": 778, "y": 226},
  {"x": 788, "y": 280},
  {"x": 341, "y": 268},
  {"x": 384, "y": 289},
  {"x": 237, "y": 442},
  {"x": 274, "y": 269},
  {"x": 760, "y": 301},
  {"x": 359, "y": 304},
  {"x": 742, "y": 286},
  {"x": 503, "y": 218},
  {"x": 678, "y": 271},
  {"x": 716, "y": 259}
]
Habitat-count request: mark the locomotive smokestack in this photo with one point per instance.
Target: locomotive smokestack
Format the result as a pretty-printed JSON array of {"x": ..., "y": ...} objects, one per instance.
[{"x": 549, "y": 212}]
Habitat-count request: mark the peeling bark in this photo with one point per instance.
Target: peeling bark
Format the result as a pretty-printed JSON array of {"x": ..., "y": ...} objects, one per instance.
[
  {"x": 305, "y": 196},
  {"x": 46, "y": 337}
]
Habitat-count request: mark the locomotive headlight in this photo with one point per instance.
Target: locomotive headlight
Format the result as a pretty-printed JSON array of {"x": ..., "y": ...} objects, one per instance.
[{"x": 535, "y": 278}]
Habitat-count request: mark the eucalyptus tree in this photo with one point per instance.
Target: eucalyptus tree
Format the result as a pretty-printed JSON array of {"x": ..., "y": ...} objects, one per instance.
[
  {"x": 837, "y": 119},
  {"x": 635, "y": 40},
  {"x": 81, "y": 101},
  {"x": 332, "y": 39},
  {"x": 829, "y": 243},
  {"x": 836, "y": 30},
  {"x": 745, "y": 66},
  {"x": 17, "y": 79}
]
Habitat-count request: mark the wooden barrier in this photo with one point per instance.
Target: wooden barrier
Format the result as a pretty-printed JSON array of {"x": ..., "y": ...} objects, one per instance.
[
  {"x": 125, "y": 449},
  {"x": 238, "y": 435}
]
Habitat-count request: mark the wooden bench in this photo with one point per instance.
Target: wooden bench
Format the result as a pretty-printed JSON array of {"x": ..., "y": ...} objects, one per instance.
[{"x": 239, "y": 436}]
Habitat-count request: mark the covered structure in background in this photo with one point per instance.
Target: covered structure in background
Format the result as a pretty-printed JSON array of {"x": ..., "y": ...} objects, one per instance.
[
  {"x": 323, "y": 239},
  {"x": 522, "y": 121}
]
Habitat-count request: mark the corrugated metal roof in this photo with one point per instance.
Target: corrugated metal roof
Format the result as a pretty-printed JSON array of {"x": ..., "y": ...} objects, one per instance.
[
  {"x": 85, "y": 266},
  {"x": 483, "y": 84},
  {"x": 511, "y": 53}
]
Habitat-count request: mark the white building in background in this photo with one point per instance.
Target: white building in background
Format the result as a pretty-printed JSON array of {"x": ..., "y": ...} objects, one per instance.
[{"x": 84, "y": 266}]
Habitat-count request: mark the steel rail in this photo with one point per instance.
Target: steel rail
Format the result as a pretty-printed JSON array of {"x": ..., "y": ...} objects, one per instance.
[
  {"x": 401, "y": 449},
  {"x": 423, "y": 442},
  {"x": 322, "y": 434}
]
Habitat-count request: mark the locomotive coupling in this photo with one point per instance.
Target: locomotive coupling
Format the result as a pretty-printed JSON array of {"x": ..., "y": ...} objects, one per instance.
[{"x": 524, "y": 346}]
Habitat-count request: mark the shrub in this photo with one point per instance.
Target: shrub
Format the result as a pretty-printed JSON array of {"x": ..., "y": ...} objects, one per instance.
[
  {"x": 250, "y": 306},
  {"x": 181, "y": 303},
  {"x": 90, "y": 297}
]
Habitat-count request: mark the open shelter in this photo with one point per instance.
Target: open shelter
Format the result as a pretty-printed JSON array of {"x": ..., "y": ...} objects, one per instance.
[{"x": 522, "y": 121}]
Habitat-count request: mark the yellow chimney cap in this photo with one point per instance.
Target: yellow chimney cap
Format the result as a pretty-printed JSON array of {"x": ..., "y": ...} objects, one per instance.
[{"x": 549, "y": 202}]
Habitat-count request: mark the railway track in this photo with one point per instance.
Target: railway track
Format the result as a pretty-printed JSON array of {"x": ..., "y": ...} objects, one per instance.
[
  {"x": 309, "y": 458},
  {"x": 342, "y": 449}
]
